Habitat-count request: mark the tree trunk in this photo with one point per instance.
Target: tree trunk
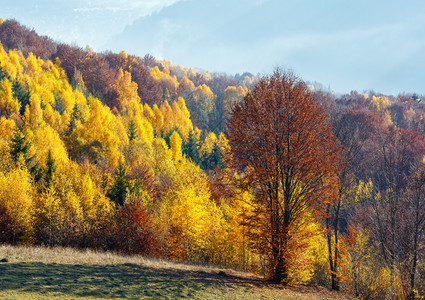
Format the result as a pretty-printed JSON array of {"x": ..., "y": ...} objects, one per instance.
[
  {"x": 413, "y": 291},
  {"x": 335, "y": 281},
  {"x": 333, "y": 254}
]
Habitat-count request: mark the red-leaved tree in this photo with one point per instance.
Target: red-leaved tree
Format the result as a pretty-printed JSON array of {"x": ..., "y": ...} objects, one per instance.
[{"x": 285, "y": 151}]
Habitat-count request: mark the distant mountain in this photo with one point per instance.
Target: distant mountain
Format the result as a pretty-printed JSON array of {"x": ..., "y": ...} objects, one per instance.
[
  {"x": 347, "y": 45},
  {"x": 205, "y": 31}
]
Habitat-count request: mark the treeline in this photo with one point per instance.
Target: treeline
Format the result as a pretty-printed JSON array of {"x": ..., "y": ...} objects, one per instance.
[
  {"x": 119, "y": 152},
  {"x": 76, "y": 173},
  {"x": 380, "y": 210},
  {"x": 208, "y": 95}
]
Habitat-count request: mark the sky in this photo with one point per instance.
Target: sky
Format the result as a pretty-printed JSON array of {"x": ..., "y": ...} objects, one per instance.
[{"x": 343, "y": 44}]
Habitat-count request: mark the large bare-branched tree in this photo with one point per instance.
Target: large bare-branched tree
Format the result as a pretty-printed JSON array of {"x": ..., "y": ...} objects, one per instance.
[{"x": 285, "y": 150}]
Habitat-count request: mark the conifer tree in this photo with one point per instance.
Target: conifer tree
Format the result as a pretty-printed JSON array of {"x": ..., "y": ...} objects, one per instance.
[
  {"x": 3, "y": 74},
  {"x": 190, "y": 148},
  {"x": 76, "y": 115},
  {"x": 50, "y": 169},
  {"x": 20, "y": 147},
  {"x": 22, "y": 95},
  {"x": 213, "y": 159},
  {"x": 119, "y": 189},
  {"x": 132, "y": 132}
]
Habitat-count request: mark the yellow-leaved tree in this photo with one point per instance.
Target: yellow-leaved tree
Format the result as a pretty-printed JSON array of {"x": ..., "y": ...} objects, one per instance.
[
  {"x": 126, "y": 90},
  {"x": 16, "y": 205},
  {"x": 193, "y": 226},
  {"x": 9, "y": 105}
]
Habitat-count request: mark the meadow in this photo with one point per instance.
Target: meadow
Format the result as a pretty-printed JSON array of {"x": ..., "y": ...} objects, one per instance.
[{"x": 66, "y": 273}]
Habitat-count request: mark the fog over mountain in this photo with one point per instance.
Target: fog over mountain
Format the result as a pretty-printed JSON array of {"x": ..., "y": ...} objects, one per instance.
[{"x": 347, "y": 45}]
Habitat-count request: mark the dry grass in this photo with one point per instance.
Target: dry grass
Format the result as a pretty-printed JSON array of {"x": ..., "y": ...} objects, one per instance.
[
  {"x": 65, "y": 273},
  {"x": 61, "y": 255}
]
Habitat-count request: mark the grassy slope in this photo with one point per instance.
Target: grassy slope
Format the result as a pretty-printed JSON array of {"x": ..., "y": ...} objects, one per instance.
[{"x": 42, "y": 273}]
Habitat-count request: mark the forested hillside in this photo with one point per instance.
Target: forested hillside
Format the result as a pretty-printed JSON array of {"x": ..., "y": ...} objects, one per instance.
[{"x": 114, "y": 151}]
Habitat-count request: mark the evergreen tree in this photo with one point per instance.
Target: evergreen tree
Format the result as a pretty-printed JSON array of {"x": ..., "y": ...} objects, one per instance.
[
  {"x": 50, "y": 169},
  {"x": 119, "y": 189},
  {"x": 59, "y": 104},
  {"x": 132, "y": 132},
  {"x": 19, "y": 148},
  {"x": 35, "y": 171},
  {"x": 167, "y": 135},
  {"x": 213, "y": 159},
  {"x": 22, "y": 95},
  {"x": 3, "y": 74},
  {"x": 76, "y": 115},
  {"x": 190, "y": 148}
]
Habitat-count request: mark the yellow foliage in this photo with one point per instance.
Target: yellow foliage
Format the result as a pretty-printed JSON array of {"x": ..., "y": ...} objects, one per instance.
[
  {"x": 163, "y": 159},
  {"x": 6, "y": 128},
  {"x": 124, "y": 55},
  {"x": 156, "y": 73},
  {"x": 176, "y": 146},
  {"x": 380, "y": 103},
  {"x": 232, "y": 96},
  {"x": 49, "y": 216},
  {"x": 196, "y": 226},
  {"x": 165, "y": 76},
  {"x": 126, "y": 90},
  {"x": 33, "y": 65},
  {"x": 47, "y": 139},
  {"x": 148, "y": 113},
  {"x": 16, "y": 203},
  {"x": 364, "y": 190},
  {"x": 144, "y": 129},
  {"x": 308, "y": 248},
  {"x": 52, "y": 117},
  {"x": 167, "y": 114},
  {"x": 135, "y": 109},
  {"x": 103, "y": 127},
  {"x": 208, "y": 144},
  {"x": 8, "y": 103},
  {"x": 158, "y": 121},
  {"x": 79, "y": 80},
  {"x": 187, "y": 83},
  {"x": 223, "y": 143},
  {"x": 12, "y": 63},
  {"x": 205, "y": 90},
  {"x": 240, "y": 210},
  {"x": 34, "y": 113},
  {"x": 182, "y": 118}
]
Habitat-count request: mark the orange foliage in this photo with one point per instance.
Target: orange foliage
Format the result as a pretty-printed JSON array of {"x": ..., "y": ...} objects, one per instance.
[{"x": 282, "y": 142}]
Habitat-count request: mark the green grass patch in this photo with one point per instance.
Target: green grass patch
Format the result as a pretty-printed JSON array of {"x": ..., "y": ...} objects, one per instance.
[{"x": 40, "y": 273}]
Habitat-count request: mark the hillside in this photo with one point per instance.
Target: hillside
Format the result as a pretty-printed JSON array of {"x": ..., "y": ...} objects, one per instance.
[
  {"x": 63, "y": 273},
  {"x": 263, "y": 174}
]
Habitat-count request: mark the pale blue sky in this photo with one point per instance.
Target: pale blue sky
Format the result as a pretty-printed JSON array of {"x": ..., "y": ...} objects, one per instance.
[{"x": 347, "y": 45}]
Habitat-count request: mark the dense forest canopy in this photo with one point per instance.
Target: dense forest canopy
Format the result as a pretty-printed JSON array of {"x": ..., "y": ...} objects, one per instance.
[{"x": 260, "y": 173}]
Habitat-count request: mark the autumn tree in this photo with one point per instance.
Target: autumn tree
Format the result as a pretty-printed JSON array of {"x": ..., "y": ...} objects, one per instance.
[
  {"x": 347, "y": 133},
  {"x": 414, "y": 215},
  {"x": 283, "y": 145},
  {"x": 395, "y": 151}
]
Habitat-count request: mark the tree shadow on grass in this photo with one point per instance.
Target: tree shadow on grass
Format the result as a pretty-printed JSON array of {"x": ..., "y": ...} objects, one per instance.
[{"x": 113, "y": 281}]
